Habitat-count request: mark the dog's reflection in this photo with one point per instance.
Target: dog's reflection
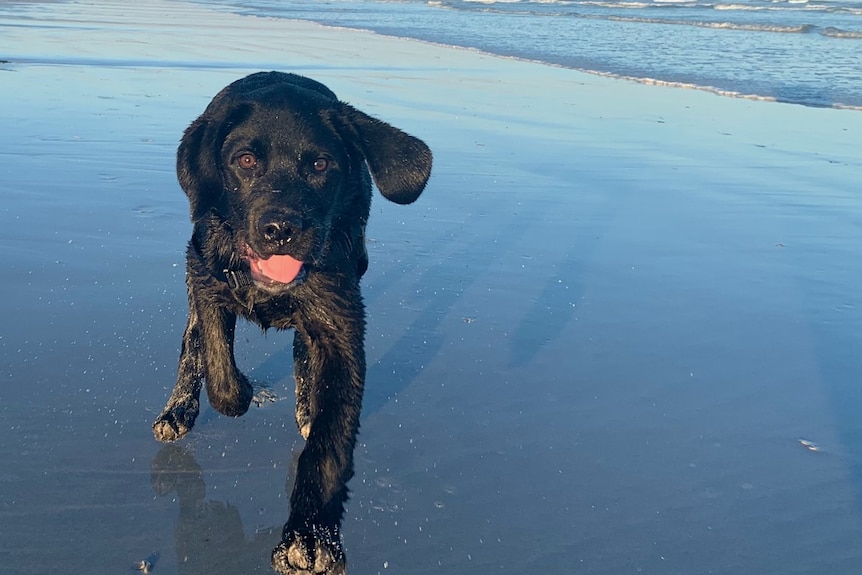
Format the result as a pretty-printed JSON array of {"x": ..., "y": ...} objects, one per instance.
[{"x": 209, "y": 536}]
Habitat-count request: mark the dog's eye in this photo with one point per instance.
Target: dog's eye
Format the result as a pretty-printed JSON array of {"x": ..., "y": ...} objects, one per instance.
[
  {"x": 320, "y": 164},
  {"x": 247, "y": 161}
]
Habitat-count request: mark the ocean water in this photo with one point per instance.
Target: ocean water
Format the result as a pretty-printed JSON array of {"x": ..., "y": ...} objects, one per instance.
[{"x": 805, "y": 52}]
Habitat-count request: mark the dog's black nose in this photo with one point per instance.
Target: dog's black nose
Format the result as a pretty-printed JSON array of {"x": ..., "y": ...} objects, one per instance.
[{"x": 279, "y": 227}]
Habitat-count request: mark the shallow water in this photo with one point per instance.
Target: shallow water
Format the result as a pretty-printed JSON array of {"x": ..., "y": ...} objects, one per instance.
[
  {"x": 594, "y": 345},
  {"x": 790, "y": 51}
]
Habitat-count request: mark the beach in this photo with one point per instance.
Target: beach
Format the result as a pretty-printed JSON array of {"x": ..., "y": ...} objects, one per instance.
[{"x": 619, "y": 332}]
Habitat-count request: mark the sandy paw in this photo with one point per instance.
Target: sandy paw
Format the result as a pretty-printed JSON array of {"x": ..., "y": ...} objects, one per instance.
[
  {"x": 175, "y": 422},
  {"x": 294, "y": 556}
]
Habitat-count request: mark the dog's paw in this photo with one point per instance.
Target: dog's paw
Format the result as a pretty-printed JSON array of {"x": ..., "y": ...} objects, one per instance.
[
  {"x": 175, "y": 421},
  {"x": 319, "y": 552},
  {"x": 231, "y": 396}
]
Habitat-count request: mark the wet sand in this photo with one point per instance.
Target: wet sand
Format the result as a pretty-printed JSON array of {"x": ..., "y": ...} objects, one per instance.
[{"x": 619, "y": 333}]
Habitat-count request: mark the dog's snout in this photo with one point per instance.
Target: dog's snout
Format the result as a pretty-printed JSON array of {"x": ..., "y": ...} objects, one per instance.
[{"x": 278, "y": 226}]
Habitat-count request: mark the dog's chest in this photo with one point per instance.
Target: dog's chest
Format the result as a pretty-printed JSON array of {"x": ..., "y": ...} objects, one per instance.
[{"x": 270, "y": 312}]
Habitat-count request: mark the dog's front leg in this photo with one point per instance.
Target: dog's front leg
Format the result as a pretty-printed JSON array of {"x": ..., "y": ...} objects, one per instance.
[
  {"x": 207, "y": 354},
  {"x": 179, "y": 414},
  {"x": 334, "y": 376},
  {"x": 228, "y": 390}
]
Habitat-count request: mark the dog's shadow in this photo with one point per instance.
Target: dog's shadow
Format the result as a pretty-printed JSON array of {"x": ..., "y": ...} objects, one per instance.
[{"x": 209, "y": 534}]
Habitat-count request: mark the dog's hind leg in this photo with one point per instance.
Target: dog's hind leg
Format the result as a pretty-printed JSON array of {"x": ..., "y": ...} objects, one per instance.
[{"x": 178, "y": 416}]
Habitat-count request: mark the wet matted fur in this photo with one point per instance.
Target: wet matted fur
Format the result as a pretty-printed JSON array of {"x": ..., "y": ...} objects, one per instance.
[{"x": 278, "y": 175}]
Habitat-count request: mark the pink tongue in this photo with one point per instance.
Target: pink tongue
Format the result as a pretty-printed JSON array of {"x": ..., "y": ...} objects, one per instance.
[{"x": 280, "y": 268}]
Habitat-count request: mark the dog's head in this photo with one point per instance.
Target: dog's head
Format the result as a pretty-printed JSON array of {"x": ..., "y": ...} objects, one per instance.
[{"x": 282, "y": 162}]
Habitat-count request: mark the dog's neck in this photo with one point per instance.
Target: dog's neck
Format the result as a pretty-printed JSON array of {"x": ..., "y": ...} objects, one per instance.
[{"x": 235, "y": 279}]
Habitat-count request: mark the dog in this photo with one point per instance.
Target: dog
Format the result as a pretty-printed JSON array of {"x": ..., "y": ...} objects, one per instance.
[{"x": 278, "y": 174}]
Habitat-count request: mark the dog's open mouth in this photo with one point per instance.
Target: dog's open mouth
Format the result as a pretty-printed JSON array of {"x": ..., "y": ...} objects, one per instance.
[{"x": 277, "y": 269}]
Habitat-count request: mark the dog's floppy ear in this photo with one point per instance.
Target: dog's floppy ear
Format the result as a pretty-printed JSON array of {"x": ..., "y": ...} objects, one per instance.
[
  {"x": 199, "y": 153},
  {"x": 399, "y": 163},
  {"x": 198, "y": 166}
]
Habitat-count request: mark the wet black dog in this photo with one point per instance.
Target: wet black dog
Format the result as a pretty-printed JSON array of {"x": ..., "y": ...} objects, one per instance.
[{"x": 277, "y": 175}]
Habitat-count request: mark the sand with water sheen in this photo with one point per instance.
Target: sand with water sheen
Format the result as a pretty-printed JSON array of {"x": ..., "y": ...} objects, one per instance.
[{"x": 619, "y": 333}]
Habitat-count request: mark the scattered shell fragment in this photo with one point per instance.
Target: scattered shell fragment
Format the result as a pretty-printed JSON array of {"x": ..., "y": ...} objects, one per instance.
[
  {"x": 264, "y": 395},
  {"x": 809, "y": 445}
]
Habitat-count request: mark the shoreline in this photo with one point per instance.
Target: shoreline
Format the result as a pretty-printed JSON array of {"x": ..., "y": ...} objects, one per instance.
[
  {"x": 223, "y": 9},
  {"x": 646, "y": 80}
]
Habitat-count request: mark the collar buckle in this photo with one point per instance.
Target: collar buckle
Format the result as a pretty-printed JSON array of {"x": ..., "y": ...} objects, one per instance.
[{"x": 237, "y": 279}]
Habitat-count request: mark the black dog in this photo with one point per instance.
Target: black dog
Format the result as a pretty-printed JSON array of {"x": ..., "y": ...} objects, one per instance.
[{"x": 277, "y": 175}]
